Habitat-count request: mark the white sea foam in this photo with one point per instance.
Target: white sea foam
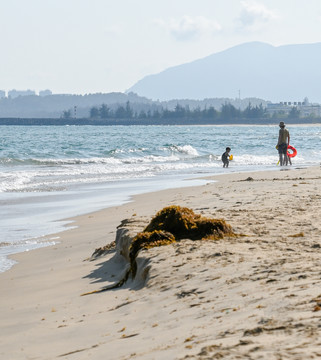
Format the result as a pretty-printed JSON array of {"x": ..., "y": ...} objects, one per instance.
[{"x": 185, "y": 149}]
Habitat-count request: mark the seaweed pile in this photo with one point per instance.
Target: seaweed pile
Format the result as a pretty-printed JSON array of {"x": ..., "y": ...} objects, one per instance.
[
  {"x": 171, "y": 224},
  {"x": 174, "y": 223}
]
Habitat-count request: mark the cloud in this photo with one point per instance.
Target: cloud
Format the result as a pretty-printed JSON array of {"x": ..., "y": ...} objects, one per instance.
[
  {"x": 188, "y": 27},
  {"x": 254, "y": 14}
]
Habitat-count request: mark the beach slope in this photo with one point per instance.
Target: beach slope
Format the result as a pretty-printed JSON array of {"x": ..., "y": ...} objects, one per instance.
[{"x": 256, "y": 296}]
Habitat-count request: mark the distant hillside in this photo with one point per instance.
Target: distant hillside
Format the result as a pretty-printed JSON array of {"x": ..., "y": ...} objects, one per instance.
[
  {"x": 284, "y": 73},
  {"x": 53, "y": 106}
]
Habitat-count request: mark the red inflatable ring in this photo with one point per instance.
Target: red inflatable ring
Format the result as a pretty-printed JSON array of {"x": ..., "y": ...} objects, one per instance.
[{"x": 293, "y": 154}]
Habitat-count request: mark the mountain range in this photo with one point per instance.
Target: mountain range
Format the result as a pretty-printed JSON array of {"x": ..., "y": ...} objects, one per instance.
[{"x": 255, "y": 69}]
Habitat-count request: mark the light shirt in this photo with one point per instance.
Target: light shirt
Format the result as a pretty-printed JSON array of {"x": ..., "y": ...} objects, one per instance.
[{"x": 283, "y": 136}]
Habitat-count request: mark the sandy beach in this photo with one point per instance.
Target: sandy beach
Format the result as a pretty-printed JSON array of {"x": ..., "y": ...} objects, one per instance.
[{"x": 255, "y": 296}]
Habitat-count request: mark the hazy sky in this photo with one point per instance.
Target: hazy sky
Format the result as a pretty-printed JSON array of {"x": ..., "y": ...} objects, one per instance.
[{"x": 89, "y": 46}]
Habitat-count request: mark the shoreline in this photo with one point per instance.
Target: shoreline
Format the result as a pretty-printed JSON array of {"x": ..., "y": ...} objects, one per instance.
[
  {"x": 43, "y": 312},
  {"x": 56, "y": 224}
]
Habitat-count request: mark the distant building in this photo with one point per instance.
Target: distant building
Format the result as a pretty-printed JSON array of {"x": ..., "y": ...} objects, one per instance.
[
  {"x": 45, "y": 92},
  {"x": 2, "y": 94},
  {"x": 284, "y": 108},
  {"x": 15, "y": 93}
]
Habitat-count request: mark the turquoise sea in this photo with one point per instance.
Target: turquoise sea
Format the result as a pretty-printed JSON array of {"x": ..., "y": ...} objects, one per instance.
[{"x": 49, "y": 173}]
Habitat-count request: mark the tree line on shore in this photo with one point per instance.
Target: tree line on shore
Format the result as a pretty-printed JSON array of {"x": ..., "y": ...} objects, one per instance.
[
  {"x": 126, "y": 114},
  {"x": 227, "y": 112}
]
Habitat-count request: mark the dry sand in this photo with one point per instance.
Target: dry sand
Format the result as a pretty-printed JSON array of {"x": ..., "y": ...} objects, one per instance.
[{"x": 251, "y": 297}]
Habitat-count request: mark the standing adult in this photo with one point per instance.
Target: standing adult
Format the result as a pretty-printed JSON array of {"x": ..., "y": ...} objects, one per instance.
[{"x": 283, "y": 143}]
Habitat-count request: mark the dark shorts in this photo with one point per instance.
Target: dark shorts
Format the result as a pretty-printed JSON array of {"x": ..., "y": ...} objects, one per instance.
[{"x": 283, "y": 148}]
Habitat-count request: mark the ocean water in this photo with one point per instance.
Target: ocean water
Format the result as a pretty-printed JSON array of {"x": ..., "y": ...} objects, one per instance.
[{"x": 50, "y": 173}]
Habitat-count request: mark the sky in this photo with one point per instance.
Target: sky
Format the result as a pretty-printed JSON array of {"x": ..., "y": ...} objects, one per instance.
[{"x": 92, "y": 46}]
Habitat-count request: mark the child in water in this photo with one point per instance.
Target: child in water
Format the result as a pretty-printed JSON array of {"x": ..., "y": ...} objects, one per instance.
[{"x": 226, "y": 157}]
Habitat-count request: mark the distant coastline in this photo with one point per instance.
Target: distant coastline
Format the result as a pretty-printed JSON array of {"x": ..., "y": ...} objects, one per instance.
[{"x": 128, "y": 122}]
